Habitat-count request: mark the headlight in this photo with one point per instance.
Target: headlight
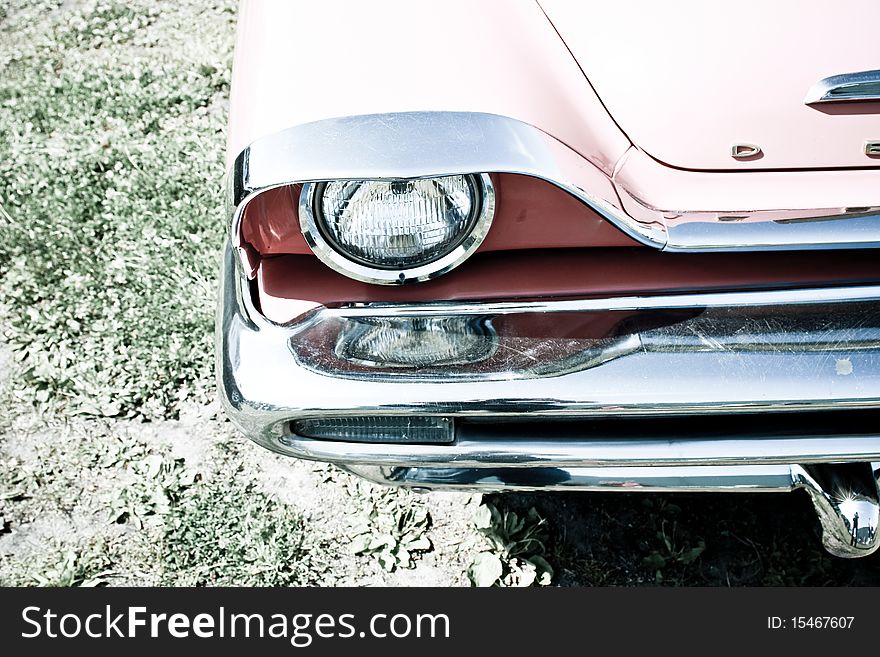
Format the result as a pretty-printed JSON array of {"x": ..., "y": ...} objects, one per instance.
[{"x": 396, "y": 231}]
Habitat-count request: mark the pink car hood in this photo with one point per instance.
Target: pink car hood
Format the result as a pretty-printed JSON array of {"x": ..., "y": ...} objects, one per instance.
[{"x": 686, "y": 80}]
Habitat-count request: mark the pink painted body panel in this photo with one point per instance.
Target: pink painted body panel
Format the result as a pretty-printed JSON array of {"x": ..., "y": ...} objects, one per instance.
[
  {"x": 686, "y": 80},
  {"x": 673, "y": 190},
  {"x": 288, "y": 285},
  {"x": 529, "y": 214},
  {"x": 492, "y": 56},
  {"x": 506, "y": 58}
]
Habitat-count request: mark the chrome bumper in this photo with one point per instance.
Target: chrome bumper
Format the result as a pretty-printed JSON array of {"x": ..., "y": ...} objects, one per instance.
[{"x": 560, "y": 363}]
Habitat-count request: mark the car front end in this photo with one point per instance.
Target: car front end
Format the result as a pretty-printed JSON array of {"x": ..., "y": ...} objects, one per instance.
[{"x": 486, "y": 284}]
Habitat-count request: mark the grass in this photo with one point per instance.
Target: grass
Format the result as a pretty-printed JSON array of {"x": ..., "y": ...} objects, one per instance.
[
  {"x": 232, "y": 534},
  {"x": 111, "y": 504},
  {"x": 110, "y": 189},
  {"x": 111, "y": 222}
]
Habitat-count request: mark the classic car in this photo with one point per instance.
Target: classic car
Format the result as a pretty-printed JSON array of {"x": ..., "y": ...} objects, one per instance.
[{"x": 523, "y": 245}]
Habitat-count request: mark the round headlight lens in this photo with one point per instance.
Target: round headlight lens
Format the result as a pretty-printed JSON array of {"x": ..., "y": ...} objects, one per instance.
[{"x": 395, "y": 224}]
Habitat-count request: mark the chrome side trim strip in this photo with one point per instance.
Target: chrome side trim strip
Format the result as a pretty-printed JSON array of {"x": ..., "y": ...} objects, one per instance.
[
  {"x": 752, "y": 298},
  {"x": 848, "y": 87},
  {"x": 760, "y": 230},
  {"x": 824, "y": 229}
]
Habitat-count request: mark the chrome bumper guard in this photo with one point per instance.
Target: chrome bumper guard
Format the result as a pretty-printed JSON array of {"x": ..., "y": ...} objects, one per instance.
[{"x": 689, "y": 356}]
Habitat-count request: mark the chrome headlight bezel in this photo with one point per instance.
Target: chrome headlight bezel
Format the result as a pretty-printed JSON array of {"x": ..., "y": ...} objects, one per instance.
[{"x": 333, "y": 257}]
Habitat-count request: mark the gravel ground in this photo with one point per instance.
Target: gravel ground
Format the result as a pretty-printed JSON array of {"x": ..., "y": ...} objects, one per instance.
[{"x": 116, "y": 466}]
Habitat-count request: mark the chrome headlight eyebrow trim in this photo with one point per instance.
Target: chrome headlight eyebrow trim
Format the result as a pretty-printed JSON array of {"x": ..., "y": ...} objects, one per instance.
[{"x": 412, "y": 145}]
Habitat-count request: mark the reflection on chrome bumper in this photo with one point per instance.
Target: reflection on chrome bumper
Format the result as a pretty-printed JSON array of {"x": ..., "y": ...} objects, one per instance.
[{"x": 567, "y": 363}]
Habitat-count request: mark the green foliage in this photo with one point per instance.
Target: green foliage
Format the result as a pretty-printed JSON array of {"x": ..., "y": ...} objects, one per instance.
[
  {"x": 120, "y": 508},
  {"x": 103, "y": 24},
  {"x": 14, "y": 484},
  {"x": 229, "y": 533},
  {"x": 158, "y": 482},
  {"x": 110, "y": 212},
  {"x": 392, "y": 529},
  {"x": 516, "y": 548},
  {"x": 669, "y": 550},
  {"x": 57, "y": 566}
]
